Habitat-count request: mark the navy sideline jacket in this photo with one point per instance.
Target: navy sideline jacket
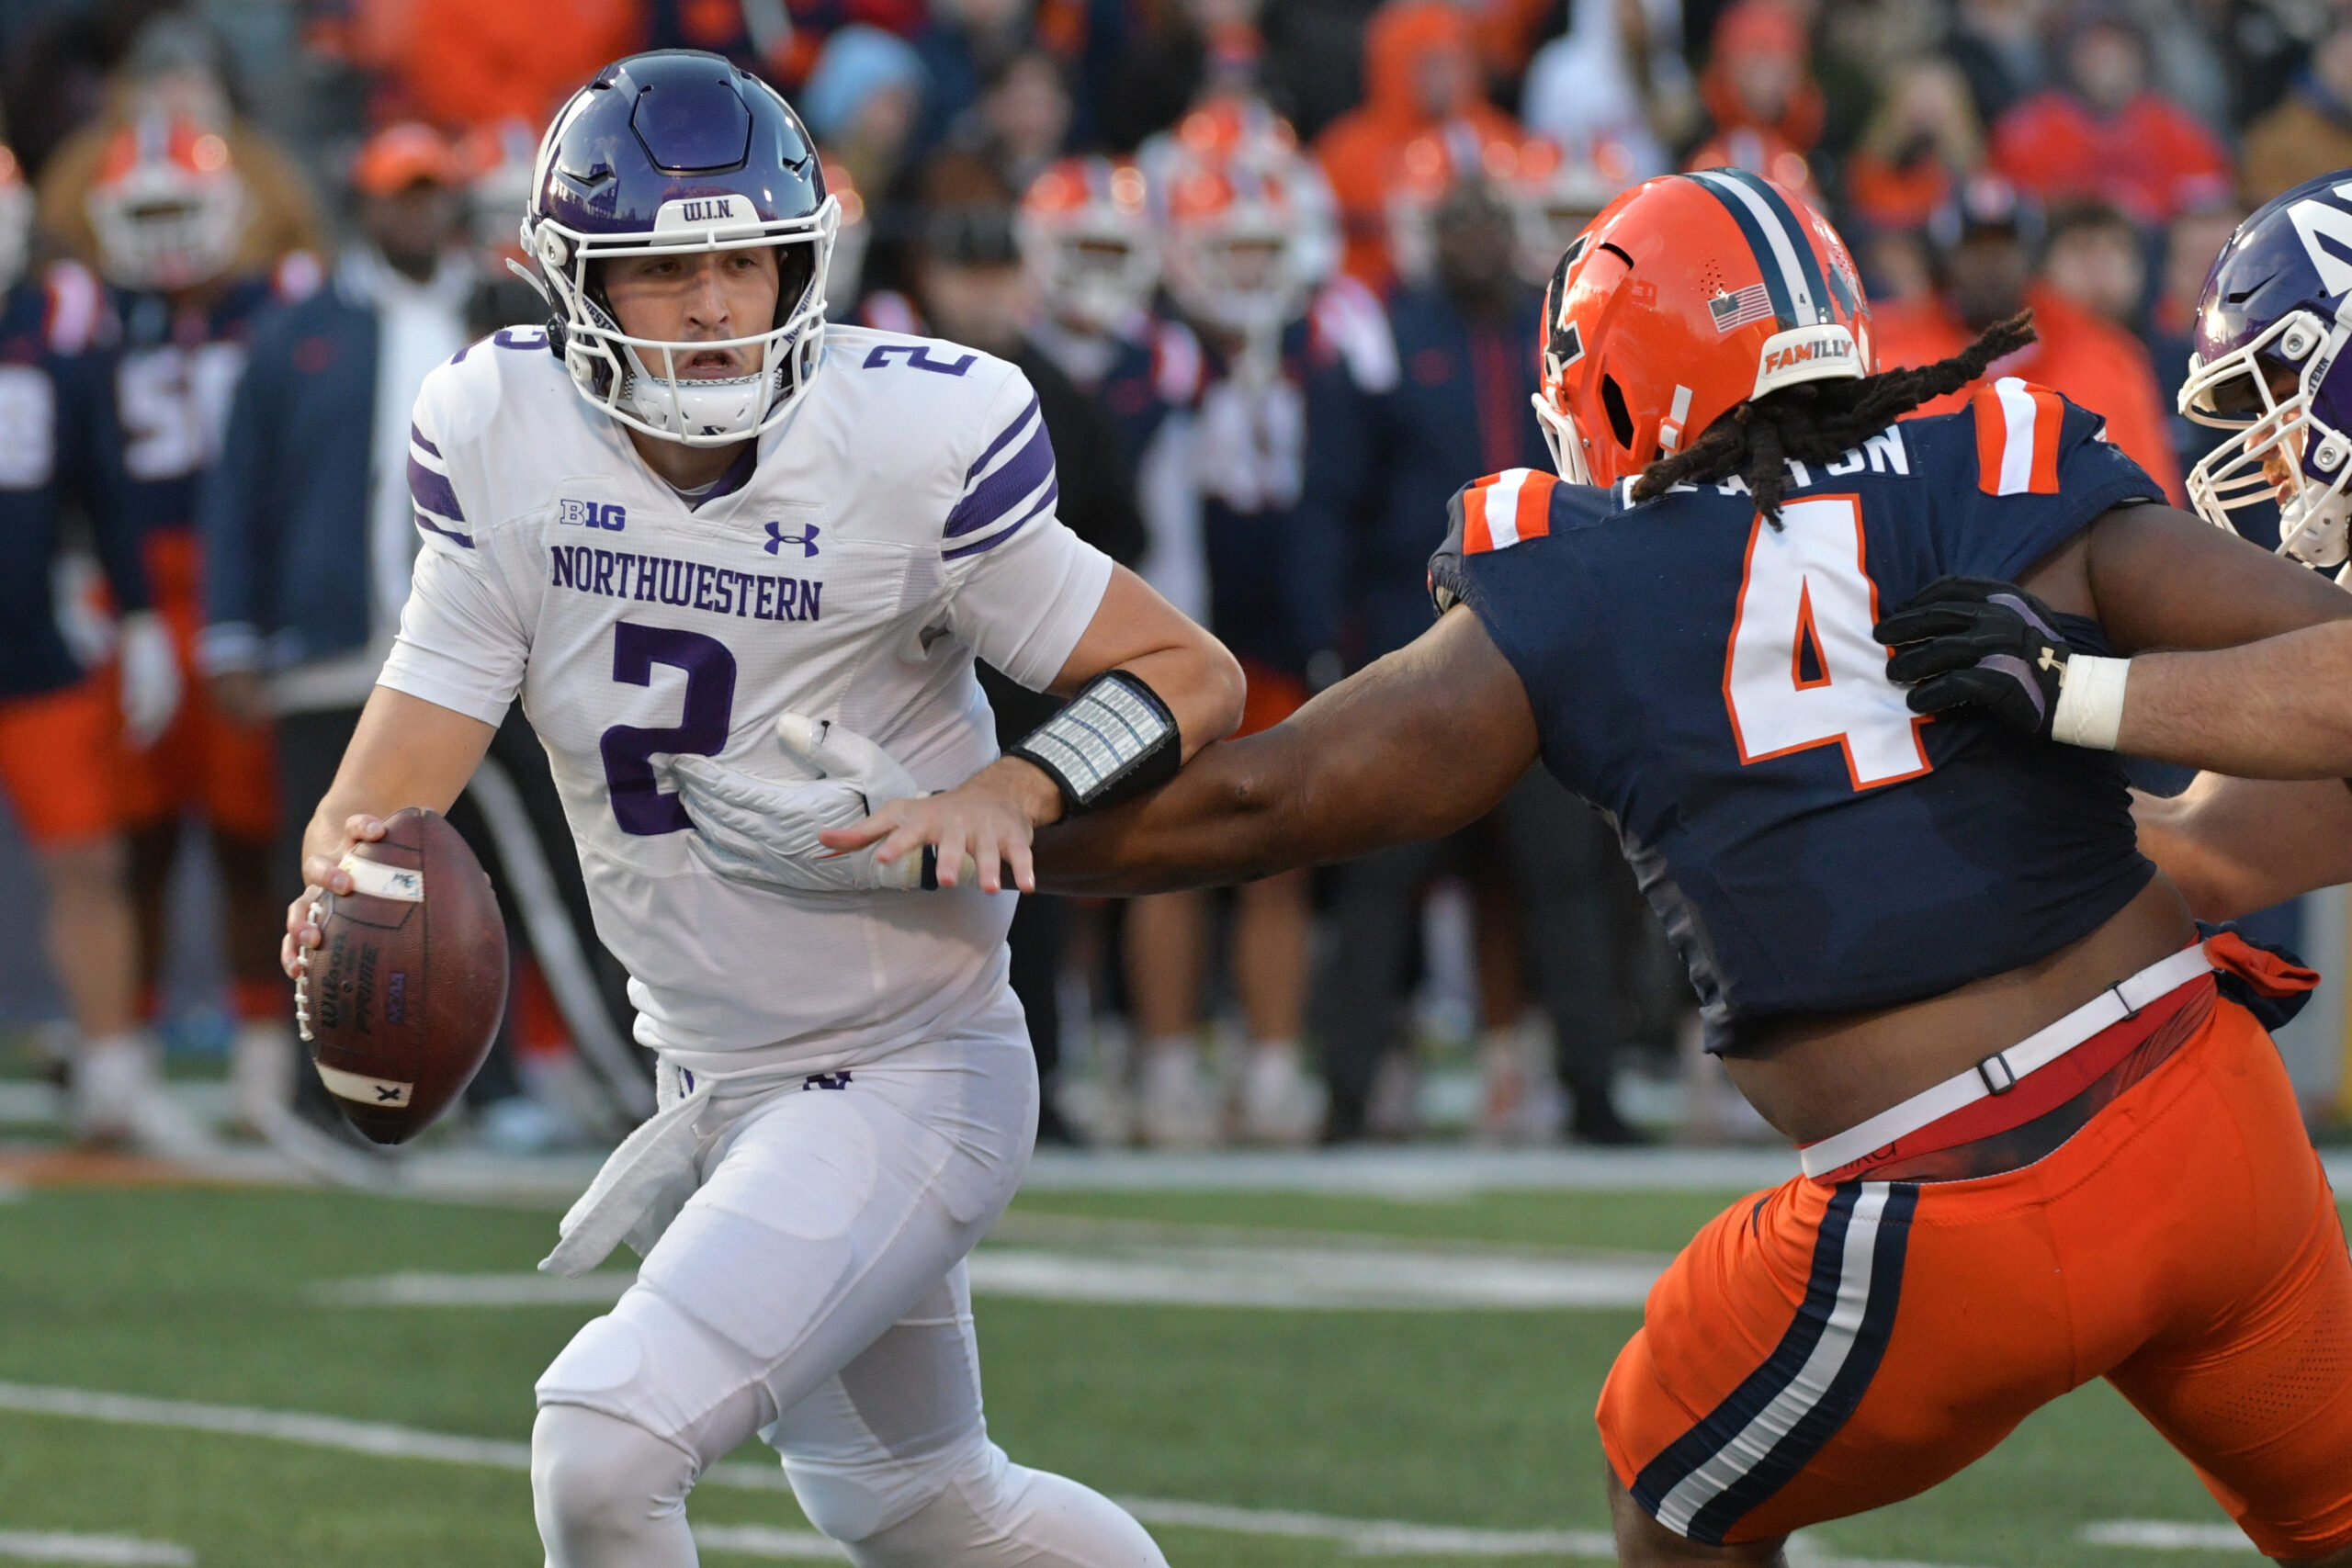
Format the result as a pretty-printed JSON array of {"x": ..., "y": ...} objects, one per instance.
[{"x": 59, "y": 447}]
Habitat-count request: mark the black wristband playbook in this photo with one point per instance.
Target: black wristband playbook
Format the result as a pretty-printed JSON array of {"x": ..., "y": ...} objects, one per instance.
[{"x": 1114, "y": 741}]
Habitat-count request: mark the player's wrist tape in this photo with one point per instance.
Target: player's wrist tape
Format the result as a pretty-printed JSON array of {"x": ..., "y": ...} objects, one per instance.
[
  {"x": 2090, "y": 702},
  {"x": 1114, "y": 741}
]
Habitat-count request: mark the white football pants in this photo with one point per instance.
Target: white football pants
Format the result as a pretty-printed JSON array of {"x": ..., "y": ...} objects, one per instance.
[{"x": 813, "y": 1290}]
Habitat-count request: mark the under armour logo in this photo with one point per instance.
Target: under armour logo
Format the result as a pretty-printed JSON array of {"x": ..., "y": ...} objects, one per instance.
[
  {"x": 2049, "y": 660},
  {"x": 777, "y": 538},
  {"x": 388, "y": 1093},
  {"x": 824, "y": 1080}
]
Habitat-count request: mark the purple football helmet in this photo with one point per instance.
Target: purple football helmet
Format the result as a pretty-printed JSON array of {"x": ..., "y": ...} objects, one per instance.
[
  {"x": 2268, "y": 360},
  {"x": 673, "y": 152}
]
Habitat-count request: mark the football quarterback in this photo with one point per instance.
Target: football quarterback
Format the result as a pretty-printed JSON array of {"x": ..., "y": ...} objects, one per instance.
[{"x": 699, "y": 531}]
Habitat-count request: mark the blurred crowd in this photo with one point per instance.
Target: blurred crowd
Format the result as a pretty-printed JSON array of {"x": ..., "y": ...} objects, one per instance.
[{"x": 1274, "y": 268}]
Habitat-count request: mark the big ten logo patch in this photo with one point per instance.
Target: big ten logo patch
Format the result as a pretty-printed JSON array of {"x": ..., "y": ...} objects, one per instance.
[{"x": 610, "y": 515}]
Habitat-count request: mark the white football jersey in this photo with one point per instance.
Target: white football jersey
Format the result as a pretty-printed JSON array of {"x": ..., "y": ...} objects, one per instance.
[{"x": 899, "y": 524}]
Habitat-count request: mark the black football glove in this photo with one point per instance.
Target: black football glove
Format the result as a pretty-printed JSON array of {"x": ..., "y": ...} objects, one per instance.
[{"x": 1963, "y": 642}]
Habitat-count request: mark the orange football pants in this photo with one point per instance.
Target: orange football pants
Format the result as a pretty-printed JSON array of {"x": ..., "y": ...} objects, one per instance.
[
  {"x": 57, "y": 763},
  {"x": 1818, "y": 1351},
  {"x": 228, "y": 771},
  {"x": 1269, "y": 696}
]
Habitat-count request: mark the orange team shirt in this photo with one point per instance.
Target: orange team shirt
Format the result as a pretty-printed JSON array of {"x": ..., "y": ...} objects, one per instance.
[
  {"x": 2098, "y": 364},
  {"x": 1363, "y": 150},
  {"x": 469, "y": 63},
  {"x": 2152, "y": 159}
]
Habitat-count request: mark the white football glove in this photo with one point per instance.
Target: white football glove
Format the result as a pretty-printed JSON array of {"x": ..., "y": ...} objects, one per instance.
[
  {"x": 762, "y": 832},
  {"x": 151, "y": 678}
]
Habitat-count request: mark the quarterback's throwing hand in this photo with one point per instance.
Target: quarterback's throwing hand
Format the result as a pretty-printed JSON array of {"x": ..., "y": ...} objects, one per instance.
[
  {"x": 322, "y": 873},
  {"x": 1965, "y": 642}
]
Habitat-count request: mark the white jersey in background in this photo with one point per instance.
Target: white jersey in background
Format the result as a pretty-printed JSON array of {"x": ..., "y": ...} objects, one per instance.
[{"x": 898, "y": 524}]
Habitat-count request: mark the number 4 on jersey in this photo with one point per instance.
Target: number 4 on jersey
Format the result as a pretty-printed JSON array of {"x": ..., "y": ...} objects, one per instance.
[{"x": 1803, "y": 670}]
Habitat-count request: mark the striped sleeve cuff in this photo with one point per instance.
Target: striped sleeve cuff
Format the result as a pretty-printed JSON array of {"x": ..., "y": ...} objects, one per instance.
[
  {"x": 1010, "y": 484},
  {"x": 438, "y": 510}
]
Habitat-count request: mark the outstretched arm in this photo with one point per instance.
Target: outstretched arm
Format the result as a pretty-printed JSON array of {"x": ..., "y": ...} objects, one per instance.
[
  {"x": 2280, "y": 708},
  {"x": 2237, "y": 845},
  {"x": 1413, "y": 747},
  {"x": 2242, "y": 663},
  {"x": 988, "y": 818},
  {"x": 2237, "y": 656},
  {"x": 2241, "y": 657}
]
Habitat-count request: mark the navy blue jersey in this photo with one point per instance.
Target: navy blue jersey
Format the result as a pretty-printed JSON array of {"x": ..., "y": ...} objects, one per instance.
[
  {"x": 1711, "y": 683},
  {"x": 57, "y": 450},
  {"x": 1274, "y": 565},
  {"x": 1150, "y": 376},
  {"x": 173, "y": 377}
]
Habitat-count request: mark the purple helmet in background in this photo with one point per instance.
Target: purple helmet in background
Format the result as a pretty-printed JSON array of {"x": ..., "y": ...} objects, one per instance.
[
  {"x": 2268, "y": 361},
  {"x": 677, "y": 153}
]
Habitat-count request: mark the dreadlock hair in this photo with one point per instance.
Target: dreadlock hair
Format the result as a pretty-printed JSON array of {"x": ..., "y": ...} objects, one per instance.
[{"x": 1819, "y": 422}]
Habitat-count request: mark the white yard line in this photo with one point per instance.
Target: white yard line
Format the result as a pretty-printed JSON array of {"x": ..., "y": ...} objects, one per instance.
[
  {"x": 761, "y": 1540},
  {"x": 1363, "y": 1538},
  {"x": 2166, "y": 1535},
  {"x": 419, "y": 1290},
  {"x": 58, "y": 1546},
  {"x": 1303, "y": 1278},
  {"x": 1311, "y": 1278},
  {"x": 1427, "y": 1173},
  {"x": 1375, "y": 1538},
  {"x": 1368, "y": 1537},
  {"x": 285, "y": 1426}
]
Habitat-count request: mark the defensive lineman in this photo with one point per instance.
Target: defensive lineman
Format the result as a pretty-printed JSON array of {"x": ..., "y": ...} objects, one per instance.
[
  {"x": 756, "y": 528},
  {"x": 2043, "y": 1134}
]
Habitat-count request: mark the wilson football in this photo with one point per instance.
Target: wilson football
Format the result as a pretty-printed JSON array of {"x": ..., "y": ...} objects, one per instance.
[{"x": 401, "y": 997}]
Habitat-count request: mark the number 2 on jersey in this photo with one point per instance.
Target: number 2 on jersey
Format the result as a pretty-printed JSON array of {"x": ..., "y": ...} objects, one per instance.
[
  {"x": 1803, "y": 670},
  {"x": 638, "y": 803}
]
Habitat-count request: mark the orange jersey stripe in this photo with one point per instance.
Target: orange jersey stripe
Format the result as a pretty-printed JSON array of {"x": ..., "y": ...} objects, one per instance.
[
  {"x": 1477, "y": 537},
  {"x": 1534, "y": 516},
  {"x": 1500, "y": 510},
  {"x": 1992, "y": 438}
]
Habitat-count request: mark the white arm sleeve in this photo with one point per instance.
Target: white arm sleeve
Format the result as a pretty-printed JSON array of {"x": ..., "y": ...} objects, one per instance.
[
  {"x": 461, "y": 646},
  {"x": 1023, "y": 607}
]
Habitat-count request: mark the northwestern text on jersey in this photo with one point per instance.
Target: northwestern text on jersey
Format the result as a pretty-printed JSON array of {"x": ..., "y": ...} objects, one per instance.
[{"x": 658, "y": 579}]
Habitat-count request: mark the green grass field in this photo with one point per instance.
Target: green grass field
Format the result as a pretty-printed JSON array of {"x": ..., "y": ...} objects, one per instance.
[{"x": 1468, "y": 1418}]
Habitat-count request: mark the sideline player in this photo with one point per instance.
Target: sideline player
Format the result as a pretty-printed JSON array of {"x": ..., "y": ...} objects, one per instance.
[
  {"x": 2041, "y": 1140},
  {"x": 2269, "y": 365},
  {"x": 169, "y": 210},
  {"x": 58, "y": 723},
  {"x": 706, "y": 512},
  {"x": 1245, "y": 238}
]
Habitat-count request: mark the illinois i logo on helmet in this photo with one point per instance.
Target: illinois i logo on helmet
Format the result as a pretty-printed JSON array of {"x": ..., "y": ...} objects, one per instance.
[{"x": 1689, "y": 295}]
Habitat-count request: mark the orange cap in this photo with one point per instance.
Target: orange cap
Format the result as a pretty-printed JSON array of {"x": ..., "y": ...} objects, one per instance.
[{"x": 399, "y": 155}]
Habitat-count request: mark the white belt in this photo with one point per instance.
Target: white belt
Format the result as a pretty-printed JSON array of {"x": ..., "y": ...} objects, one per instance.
[{"x": 2001, "y": 1071}]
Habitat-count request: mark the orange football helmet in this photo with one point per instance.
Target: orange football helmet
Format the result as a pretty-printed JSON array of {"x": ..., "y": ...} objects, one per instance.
[
  {"x": 168, "y": 207},
  {"x": 1085, "y": 235},
  {"x": 1686, "y": 297},
  {"x": 1420, "y": 177},
  {"x": 1553, "y": 194}
]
